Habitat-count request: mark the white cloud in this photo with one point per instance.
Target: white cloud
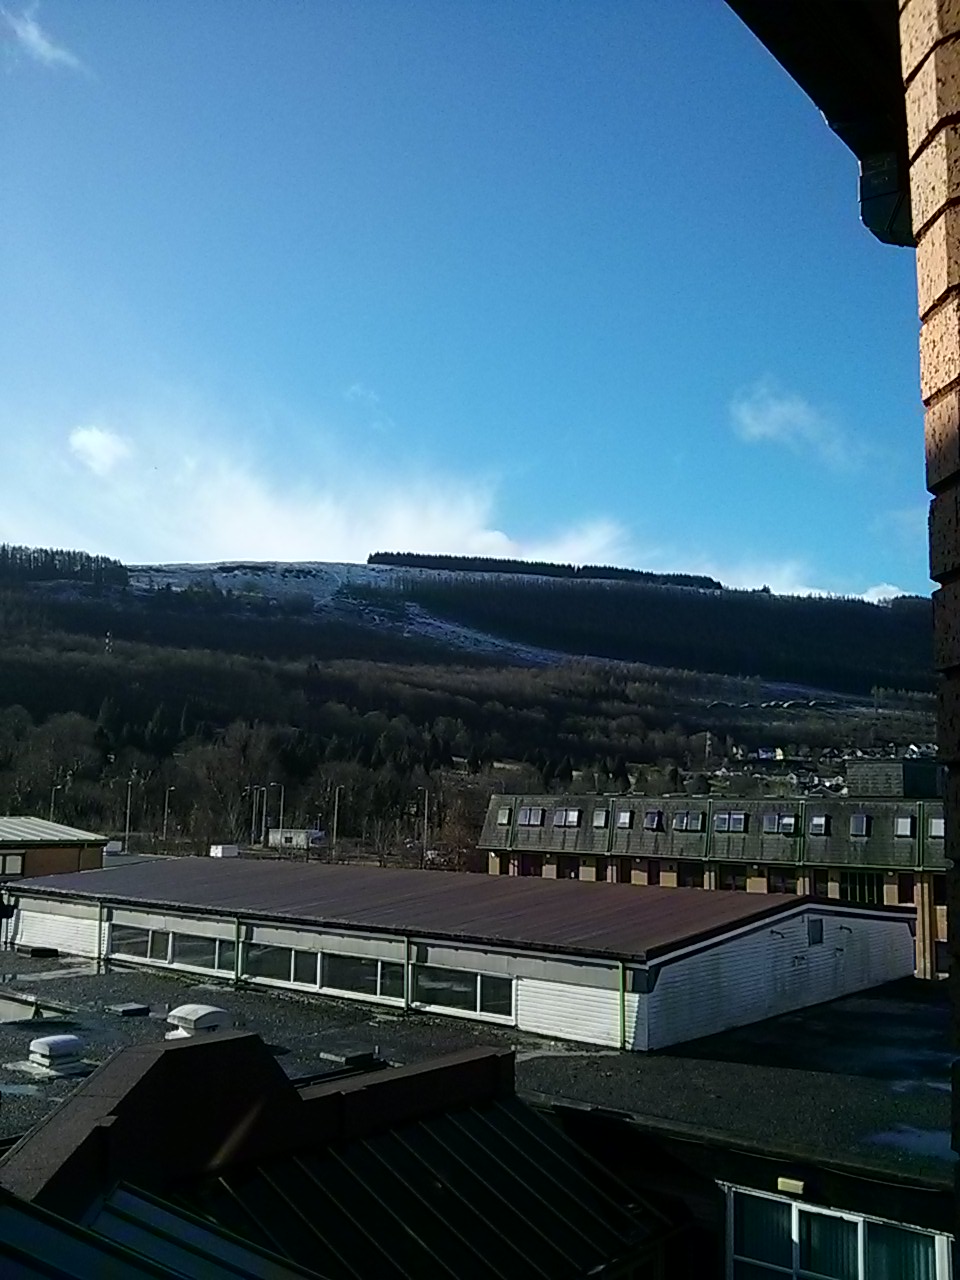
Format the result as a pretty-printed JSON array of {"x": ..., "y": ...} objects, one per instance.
[
  {"x": 190, "y": 493},
  {"x": 98, "y": 449},
  {"x": 34, "y": 41},
  {"x": 767, "y": 415},
  {"x": 359, "y": 394}
]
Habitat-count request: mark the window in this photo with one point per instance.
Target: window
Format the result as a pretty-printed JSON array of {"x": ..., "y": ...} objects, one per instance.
[
  {"x": 198, "y": 952},
  {"x": 864, "y": 888},
  {"x": 860, "y": 824},
  {"x": 568, "y": 868},
  {"x": 625, "y": 819},
  {"x": 653, "y": 871},
  {"x": 732, "y": 877},
  {"x": 13, "y": 864},
  {"x": 733, "y": 822},
  {"x": 226, "y": 955},
  {"x": 690, "y": 875},
  {"x": 781, "y": 880},
  {"x": 903, "y": 826},
  {"x": 126, "y": 940},
  {"x": 600, "y": 819},
  {"x": 905, "y": 889},
  {"x": 566, "y": 818},
  {"x": 936, "y": 828},
  {"x": 503, "y": 816},
  {"x": 779, "y": 1238},
  {"x": 530, "y": 817},
  {"x": 820, "y": 825},
  {"x": 262, "y": 961},
  {"x": 305, "y": 968},
  {"x": 484, "y": 993},
  {"x": 789, "y": 824},
  {"x": 940, "y": 890},
  {"x": 653, "y": 820},
  {"x": 350, "y": 973},
  {"x": 814, "y": 931},
  {"x": 159, "y": 945},
  {"x": 771, "y": 824},
  {"x": 694, "y": 821},
  {"x": 391, "y": 980}
]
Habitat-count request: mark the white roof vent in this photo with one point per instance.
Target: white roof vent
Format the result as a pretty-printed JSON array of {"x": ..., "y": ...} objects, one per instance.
[
  {"x": 224, "y": 851},
  {"x": 58, "y": 1055},
  {"x": 196, "y": 1019}
]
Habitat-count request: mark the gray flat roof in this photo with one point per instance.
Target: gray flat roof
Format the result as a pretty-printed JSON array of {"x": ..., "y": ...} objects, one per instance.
[
  {"x": 27, "y": 831},
  {"x": 610, "y": 920}
]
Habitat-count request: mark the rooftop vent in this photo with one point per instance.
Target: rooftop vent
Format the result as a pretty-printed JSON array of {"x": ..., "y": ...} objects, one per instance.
[
  {"x": 58, "y": 1055},
  {"x": 196, "y": 1019}
]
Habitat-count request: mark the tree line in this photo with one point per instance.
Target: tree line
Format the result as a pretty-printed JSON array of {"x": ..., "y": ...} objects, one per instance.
[
  {"x": 46, "y": 564},
  {"x": 539, "y": 568}
]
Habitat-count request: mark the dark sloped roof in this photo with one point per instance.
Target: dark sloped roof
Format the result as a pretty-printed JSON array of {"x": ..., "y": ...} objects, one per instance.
[
  {"x": 485, "y": 1193},
  {"x": 559, "y": 915}
]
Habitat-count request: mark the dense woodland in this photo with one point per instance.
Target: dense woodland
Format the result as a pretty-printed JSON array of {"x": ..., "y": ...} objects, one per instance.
[
  {"x": 192, "y": 698},
  {"x": 540, "y": 568}
]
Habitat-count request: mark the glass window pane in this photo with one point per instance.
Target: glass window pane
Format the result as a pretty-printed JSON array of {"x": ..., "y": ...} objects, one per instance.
[
  {"x": 761, "y": 1230},
  {"x": 391, "y": 979},
  {"x": 350, "y": 973},
  {"x": 496, "y": 996},
  {"x": 159, "y": 944},
  {"x": 828, "y": 1246},
  {"x": 226, "y": 955},
  {"x": 894, "y": 1252},
  {"x": 452, "y": 988},
  {"x": 190, "y": 949},
  {"x": 305, "y": 967},
  {"x": 262, "y": 961},
  {"x": 128, "y": 941}
]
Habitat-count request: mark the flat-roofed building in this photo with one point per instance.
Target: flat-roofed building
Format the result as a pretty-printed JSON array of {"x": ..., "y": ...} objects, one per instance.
[
  {"x": 628, "y": 968},
  {"x": 865, "y": 850}
]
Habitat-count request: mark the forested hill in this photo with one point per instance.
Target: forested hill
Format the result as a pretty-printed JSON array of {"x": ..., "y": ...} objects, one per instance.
[{"x": 490, "y": 614}]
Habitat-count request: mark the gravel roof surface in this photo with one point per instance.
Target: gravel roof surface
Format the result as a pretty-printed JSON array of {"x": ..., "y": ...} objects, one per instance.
[{"x": 864, "y": 1080}]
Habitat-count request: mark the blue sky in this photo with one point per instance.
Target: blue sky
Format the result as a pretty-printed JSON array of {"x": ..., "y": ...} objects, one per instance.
[{"x": 575, "y": 280}]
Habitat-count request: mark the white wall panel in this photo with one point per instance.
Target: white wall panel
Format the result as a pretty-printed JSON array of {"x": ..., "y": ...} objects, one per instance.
[
  {"x": 773, "y": 969},
  {"x": 568, "y": 1012},
  {"x": 68, "y": 934}
]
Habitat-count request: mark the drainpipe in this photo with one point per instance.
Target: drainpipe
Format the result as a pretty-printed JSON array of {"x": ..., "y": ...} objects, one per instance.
[{"x": 622, "y": 976}]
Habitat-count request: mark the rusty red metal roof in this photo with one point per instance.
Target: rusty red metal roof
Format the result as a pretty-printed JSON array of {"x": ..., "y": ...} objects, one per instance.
[{"x": 626, "y": 921}]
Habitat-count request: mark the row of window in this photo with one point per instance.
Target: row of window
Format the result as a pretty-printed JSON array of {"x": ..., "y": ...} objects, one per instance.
[
  {"x": 859, "y": 888},
  {"x": 773, "y": 1239},
  {"x": 726, "y": 821},
  {"x": 480, "y": 993}
]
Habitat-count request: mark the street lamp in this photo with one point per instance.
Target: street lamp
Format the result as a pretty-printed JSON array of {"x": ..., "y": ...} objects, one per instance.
[
  {"x": 53, "y": 794},
  {"x": 336, "y": 815},
  {"x": 426, "y": 802},
  {"x": 126, "y": 824},
  {"x": 166, "y": 814},
  {"x": 282, "y": 794}
]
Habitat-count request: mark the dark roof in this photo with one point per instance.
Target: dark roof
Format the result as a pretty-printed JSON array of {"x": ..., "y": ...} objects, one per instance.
[
  {"x": 846, "y": 57},
  {"x": 630, "y": 921},
  {"x": 133, "y": 1235}
]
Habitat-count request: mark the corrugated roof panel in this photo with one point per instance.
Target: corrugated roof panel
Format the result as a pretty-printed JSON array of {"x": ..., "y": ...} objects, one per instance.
[
  {"x": 26, "y": 831},
  {"x": 559, "y": 915}
]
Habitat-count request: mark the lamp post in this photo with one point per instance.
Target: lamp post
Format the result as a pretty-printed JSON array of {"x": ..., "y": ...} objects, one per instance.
[
  {"x": 263, "y": 816},
  {"x": 53, "y": 795},
  {"x": 166, "y": 814},
  {"x": 336, "y": 815},
  {"x": 126, "y": 824},
  {"x": 280, "y": 829},
  {"x": 423, "y": 847}
]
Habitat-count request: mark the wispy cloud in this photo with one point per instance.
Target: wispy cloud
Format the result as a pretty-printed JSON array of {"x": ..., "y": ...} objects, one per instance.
[
  {"x": 359, "y": 394},
  {"x": 31, "y": 38},
  {"x": 765, "y": 414},
  {"x": 98, "y": 449},
  {"x": 162, "y": 491}
]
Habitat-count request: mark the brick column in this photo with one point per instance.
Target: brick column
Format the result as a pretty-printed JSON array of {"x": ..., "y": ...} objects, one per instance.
[{"x": 930, "y": 60}]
